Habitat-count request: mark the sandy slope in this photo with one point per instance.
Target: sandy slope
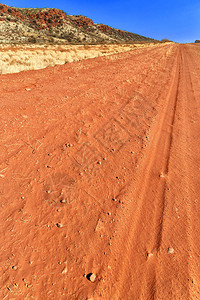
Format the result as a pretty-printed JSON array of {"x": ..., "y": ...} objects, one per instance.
[{"x": 99, "y": 173}]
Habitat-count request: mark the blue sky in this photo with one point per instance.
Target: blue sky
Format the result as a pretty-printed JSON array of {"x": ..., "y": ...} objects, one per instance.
[{"x": 178, "y": 20}]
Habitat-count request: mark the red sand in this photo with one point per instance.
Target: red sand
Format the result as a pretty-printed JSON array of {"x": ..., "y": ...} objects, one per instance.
[{"x": 99, "y": 173}]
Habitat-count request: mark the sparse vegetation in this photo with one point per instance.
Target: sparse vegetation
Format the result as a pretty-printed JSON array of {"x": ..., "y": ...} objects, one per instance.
[{"x": 31, "y": 57}]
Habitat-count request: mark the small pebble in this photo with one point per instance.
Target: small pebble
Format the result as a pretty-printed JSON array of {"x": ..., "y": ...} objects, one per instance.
[
  {"x": 91, "y": 277},
  {"x": 14, "y": 268},
  {"x": 59, "y": 225},
  {"x": 149, "y": 255},
  {"x": 162, "y": 175},
  {"x": 63, "y": 201},
  {"x": 64, "y": 270},
  {"x": 170, "y": 250}
]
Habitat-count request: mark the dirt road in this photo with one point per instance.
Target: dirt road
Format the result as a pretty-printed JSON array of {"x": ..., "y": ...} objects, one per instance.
[{"x": 99, "y": 173}]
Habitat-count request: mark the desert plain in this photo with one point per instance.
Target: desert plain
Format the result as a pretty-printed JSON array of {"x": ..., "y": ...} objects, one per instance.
[{"x": 99, "y": 175}]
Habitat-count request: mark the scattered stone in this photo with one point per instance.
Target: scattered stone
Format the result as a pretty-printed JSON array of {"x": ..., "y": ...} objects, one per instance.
[
  {"x": 149, "y": 255},
  {"x": 113, "y": 199},
  {"x": 162, "y": 175},
  {"x": 14, "y": 268},
  {"x": 91, "y": 277},
  {"x": 99, "y": 162},
  {"x": 63, "y": 201},
  {"x": 170, "y": 250},
  {"x": 64, "y": 270},
  {"x": 59, "y": 225},
  {"x": 27, "y": 89},
  {"x": 67, "y": 145}
]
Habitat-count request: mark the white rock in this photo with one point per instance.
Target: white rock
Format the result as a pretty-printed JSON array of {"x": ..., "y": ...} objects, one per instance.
[
  {"x": 170, "y": 250},
  {"x": 91, "y": 277}
]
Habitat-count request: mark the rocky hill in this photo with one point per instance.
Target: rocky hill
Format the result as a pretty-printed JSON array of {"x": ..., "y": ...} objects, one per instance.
[{"x": 51, "y": 25}]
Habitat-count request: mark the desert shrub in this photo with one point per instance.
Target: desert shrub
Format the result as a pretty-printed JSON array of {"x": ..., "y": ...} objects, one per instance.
[
  {"x": 197, "y": 41},
  {"x": 32, "y": 39},
  {"x": 165, "y": 41},
  {"x": 10, "y": 10}
]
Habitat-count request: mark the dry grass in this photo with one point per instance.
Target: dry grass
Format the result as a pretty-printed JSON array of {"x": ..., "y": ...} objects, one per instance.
[{"x": 14, "y": 59}]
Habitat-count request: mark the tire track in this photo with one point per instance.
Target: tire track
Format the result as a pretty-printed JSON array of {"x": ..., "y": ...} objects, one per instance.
[
  {"x": 145, "y": 233},
  {"x": 191, "y": 189},
  {"x": 180, "y": 271}
]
